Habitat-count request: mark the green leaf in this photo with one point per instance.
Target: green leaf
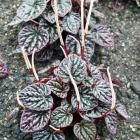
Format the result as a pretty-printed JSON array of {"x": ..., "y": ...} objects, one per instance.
[
  {"x": 51, "y": 29},
  {"x": 29, "y": 10},
  {"x": 88, "y": 81},
  {"x": 85, "y": 130},
  {"x": 49, "y": 14},
  {"x": 31, "y": 37},
  {"x": 64, "y": 6},
  {"x": 87, "y": 100},
  {"x": 34, "y": 120},
  {"x": 61, "y": 117},
  {"x": 71, "y": 23},
  {"x": 58, "y": 87},
  {"x": 76, "y": 66},
  {"x": 47, "y": 134},
  {"x": 36, "y": 97},
  {"x": 102, "y": 92},
  {"x": 72, "y": 45},
  {"x": 102, "y": 35}
]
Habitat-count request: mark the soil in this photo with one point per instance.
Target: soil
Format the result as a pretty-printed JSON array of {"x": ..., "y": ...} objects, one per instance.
[{"x": 124, "y": 62}]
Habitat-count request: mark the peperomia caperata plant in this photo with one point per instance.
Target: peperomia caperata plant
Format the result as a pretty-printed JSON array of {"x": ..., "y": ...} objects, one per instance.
[{"x": 76, "y": 97}]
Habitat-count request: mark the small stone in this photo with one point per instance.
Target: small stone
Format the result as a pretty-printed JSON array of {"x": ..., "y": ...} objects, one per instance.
[{"x": 136, "y": 86}]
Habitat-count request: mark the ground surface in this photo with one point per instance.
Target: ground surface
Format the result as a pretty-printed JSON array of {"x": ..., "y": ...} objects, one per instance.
[{"x": 124, "y": 62}]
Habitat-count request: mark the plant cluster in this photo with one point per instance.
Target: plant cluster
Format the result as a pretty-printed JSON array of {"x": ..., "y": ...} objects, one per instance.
[{"x": 77, "y": 97}]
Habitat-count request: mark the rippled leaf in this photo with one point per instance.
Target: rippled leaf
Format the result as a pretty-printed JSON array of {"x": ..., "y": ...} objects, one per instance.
[
  {"x": 102, "y": 92},
  {"x": 36, "y": 97},
  {"x": 87, "y": 100},
  {"x": 61, "y": 117},
  {"x": 71, "y": 23},
  {"x": 111, "y": 122},
  {"x": 49, "y": 15},
  {"x": 88, "y": 81},
  {"x": 31, "y": 37},
  {"x": 58, "y": 87},
  {"x": 85, "y": 130},
  {"x": 76, "y": 66},
  {"x": 29, "y": 10},
  {"x": 34, "y": 120},
  {"x": 64, "y": 6},
  {"x": 48, "y": 134},
  {"x": 102, "y": 35}
]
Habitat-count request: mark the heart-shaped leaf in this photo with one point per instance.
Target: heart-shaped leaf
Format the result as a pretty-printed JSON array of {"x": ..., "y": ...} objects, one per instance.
[
  {"x": 31, "y": 37},
  {"x": 51, "y": 29},
  {"x": 102, "y": 92},
  {"x": 58, "y": 87},
  {"x": 76, "y": 66},
  {"x": 64, "y": 6},
  {"x": 120, "y": 108},
  {"x": 85, "y": 130},
  {"x": 28, "y": 10},
  {"x": 49, "y": 15},
  {"x": 102, "y": 35},
  {"x": 71, "y": 23},
  {"x": 34, "y": 120},
  {"x": 36, "y": 97},
  {"x": 111, "y": 122},
  {"x": 87, "y": 100},
  {"x": 95, "y": 113},
  {"x": 47, "y": 134},
  {"x": 61, "y": 117}
]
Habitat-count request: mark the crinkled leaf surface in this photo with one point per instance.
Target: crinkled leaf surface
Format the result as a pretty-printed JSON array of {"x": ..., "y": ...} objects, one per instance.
[
  {"x": 36, "y": 97},
  {"x": 51, "y": 29},
  {"x": 28, "y": 10},
  {"x": 88, "y": 81},
  {"x": 34, "y": 120},
  {"x": 61, "y": 117},
  {"x": 102, "y": 35},
  {"x": 102, "y": 92},
  {"x": 58, "y": 87},
  {"x": 49, "y": 15},
  {"x": 111, "y": 122},
  {"x": 31, "y": 37},
  {"x": 71, "y": 23},
  {"x": 120, "y": 108},
  {"x": 76, "y": 66},
  {"x": 47, "y": 134},
  {"x": 72, "y": 45},
  {"x": 87, "y": 100},
  {"x": 85, "y": 130},
  {"x": 95, "y": 113},
  {"x": 64, "y": 6}
]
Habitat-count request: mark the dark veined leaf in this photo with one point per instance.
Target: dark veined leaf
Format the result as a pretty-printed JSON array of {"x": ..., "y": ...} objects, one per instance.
[
  {"x": 31, "y": 37},
  {"x": 58, "y": 87},
  {"x": 36, "y": 97},
  {"x": 102, "y": 35},
  {"x": 94, "y": 72},
  {"x": 120, "y": 108},
  {"x": 85, "y": 130},
  {"x": 34, "y": 120},
  {"x": 102, "y": 92},
  {"x": 64, "y": 6},
  {"x": 72, "y": 45},
  {"x": 51, "y": 29},
  {"x": 71, "y": 23},
  {"x": 44, "y": 55},
  {"x": 49, "y": 15},
  {"x": 3, "y": 70},
  {"x": 87, "y": 100},
  {"x": 47, "y": 134},
  {"x": 76, "y": 66},
  {"x": 28, "y": 10},
  {"x": 97, "y": 112},
  {"x": 88, "y": 81},
  {"x": 61, "y": 117},
  {"x": 111, "y": 122}
]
